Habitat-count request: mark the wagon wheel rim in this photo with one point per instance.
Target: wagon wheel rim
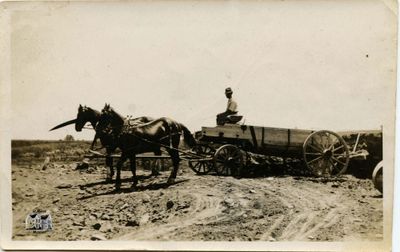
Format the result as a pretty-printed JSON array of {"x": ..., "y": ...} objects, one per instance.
[
  {"x": 326, "y": 153},
  {"x": 202, "y": 167},
  {"x": 228, "y": 160},
  {"x": 377, "y": 176}
]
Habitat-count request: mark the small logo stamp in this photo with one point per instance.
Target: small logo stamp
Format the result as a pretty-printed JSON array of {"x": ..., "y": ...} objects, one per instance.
[{"x": 39, "y": 222}]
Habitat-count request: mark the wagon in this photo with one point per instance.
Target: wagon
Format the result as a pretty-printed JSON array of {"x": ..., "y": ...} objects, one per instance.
[{"x": 227, "y": 149}]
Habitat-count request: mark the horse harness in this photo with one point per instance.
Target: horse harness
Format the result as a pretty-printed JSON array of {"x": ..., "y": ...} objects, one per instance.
[{"x": 130, "y": 124}]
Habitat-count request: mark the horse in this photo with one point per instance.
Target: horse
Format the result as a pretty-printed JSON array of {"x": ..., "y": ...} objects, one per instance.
[
  {"x": 87, "y": 114},
  {"x": 148, "y": 137}
]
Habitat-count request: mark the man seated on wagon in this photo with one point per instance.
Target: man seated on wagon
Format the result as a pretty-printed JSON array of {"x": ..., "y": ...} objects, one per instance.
[{"x": 231, "y": 109}]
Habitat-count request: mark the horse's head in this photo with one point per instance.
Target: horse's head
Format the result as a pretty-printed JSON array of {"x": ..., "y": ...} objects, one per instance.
[
  {"x": 86, "y": 114},
  {"x": 109, "y": 117}
]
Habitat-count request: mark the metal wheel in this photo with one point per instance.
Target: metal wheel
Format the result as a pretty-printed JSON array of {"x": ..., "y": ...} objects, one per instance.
[
  {"x": 203, "y": 166},
  {"x": 377, "y": 176},
  {"x": 326, "y": 153},
  {"x": 228, "y": 160}
]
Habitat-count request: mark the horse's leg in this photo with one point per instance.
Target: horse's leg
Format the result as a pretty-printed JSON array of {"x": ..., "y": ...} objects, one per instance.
[
  {"x": 175, "y": 162},
  {"x": 132, "y": 159},
  {"x": 155, "y": 168},
  {"x": 155, "y": 171},
  {"x": 110, "y": 163},
  {"x": 119, "y": 166},
  {"x": 94, "y": 141},
  {"x": 174, "y": 141}
]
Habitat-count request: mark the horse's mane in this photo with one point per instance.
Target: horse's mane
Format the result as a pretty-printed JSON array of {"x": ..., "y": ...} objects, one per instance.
[
  {"x": 116, "y": 115},
  {"x": 85, "y": 108},
  {"x": 94, "y": 110}
]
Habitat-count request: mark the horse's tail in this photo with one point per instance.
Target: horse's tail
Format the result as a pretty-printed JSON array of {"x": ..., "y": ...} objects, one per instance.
[{"x": 188, "y": 137}]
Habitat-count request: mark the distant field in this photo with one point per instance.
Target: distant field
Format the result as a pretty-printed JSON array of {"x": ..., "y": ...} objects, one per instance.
[{"x": 48, "y": 148}]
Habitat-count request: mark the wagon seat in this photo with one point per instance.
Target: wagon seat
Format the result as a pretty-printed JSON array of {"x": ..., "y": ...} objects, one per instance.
[{"x": 234, "y": 118}]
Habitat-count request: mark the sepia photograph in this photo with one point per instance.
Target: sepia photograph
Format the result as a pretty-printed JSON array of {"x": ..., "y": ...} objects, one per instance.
[{"x": 198, "y": 125}]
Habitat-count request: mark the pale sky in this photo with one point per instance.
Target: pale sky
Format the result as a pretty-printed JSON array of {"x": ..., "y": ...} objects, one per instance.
[{"x": 291, "y": 64}]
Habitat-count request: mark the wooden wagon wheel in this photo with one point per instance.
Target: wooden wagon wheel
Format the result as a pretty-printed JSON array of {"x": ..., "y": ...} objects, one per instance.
[
  {"x": 377, "y": 176},
  {"x": 202, "y": 167},
  {"x": 326, "y": 153},
  {"x": 228, "y": 160}
]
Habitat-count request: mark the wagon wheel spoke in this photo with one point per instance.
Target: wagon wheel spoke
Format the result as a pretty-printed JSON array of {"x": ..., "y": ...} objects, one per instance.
[
  {"x": 206, "y": 168},
  {"x": 314, "y": 160},
  {"x": 337, "y": 160},
  {"x": 336, "y": 167},
  {"x": 339, "y": 155},
  {"x": 326, "y": 169},
  {"x": 201, "y": 167},
  {"x": 227, "y": 170},
  {"x": 315, "y": 166},
  {"x": 331, "y": 140},
  {"x": 331, "y": 147},
  {"x": 338, "y": 148},
  {"x": 323, "y": 142},
  {"x": 196, "y": 165},
  {"x": 332, "y": 166},
  {"x": 313, "y": 154},
  {"x": 223, "y": 154},
  {"x": 332, "y": 163},
  {"x": 315, "y": 148},
  {"x": 320, "y": 139},
  {"x": 220, "y": 159}
]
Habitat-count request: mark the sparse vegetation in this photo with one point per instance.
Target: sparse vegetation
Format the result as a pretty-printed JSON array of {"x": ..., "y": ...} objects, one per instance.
[
  {"x": 23, "y": 149},
  {"x": 69, "y": 138}
]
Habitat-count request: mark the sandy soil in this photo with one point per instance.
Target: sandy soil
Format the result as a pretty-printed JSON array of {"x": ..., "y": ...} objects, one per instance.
[{"x": 84, "y": 207}]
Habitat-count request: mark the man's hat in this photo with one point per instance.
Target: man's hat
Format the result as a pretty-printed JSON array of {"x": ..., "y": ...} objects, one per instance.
[{"x": 228, "y": 90}]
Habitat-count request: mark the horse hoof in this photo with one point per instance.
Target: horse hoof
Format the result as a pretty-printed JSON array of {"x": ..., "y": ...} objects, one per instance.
[{"x": 171, "y": 181}]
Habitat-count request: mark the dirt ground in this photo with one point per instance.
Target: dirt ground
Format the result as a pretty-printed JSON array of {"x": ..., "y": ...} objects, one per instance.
[{"x": 286, "y": 208}]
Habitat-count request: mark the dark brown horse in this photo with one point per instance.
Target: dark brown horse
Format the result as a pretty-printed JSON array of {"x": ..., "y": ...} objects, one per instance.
[
  {"x": 148, "y": 137},
  {"x": 87, "y": 114}
]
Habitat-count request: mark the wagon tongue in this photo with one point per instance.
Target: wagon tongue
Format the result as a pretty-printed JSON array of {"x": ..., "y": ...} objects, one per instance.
[{"x": 64, "y": 124}]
